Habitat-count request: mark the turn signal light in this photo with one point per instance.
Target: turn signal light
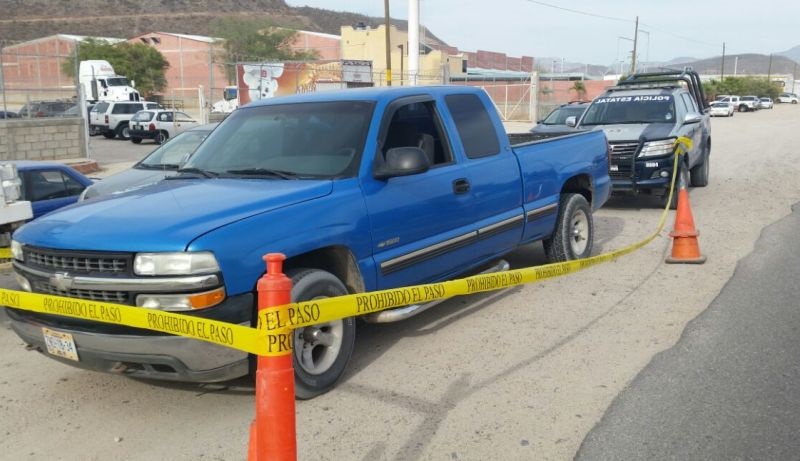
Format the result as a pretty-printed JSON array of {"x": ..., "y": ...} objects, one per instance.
[{"x": 207, "y": 299}]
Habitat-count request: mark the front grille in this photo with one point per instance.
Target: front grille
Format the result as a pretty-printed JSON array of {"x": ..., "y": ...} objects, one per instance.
[
  {"x": 622, "y": 159},
  {"x": 117, "y": 297},
  {"x": 95, "y": 263}
]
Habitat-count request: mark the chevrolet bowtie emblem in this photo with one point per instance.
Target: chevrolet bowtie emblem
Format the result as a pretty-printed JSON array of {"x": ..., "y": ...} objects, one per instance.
[{"x": 62, "y": 281}]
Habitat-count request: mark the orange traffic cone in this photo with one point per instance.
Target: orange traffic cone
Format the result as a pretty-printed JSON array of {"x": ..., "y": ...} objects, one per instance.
[{"x": 685, "y": 249}]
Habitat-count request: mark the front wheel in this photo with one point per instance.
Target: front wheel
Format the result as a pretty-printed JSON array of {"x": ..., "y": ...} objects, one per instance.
[
  {"x": 321, "y": 352},
  {"x": 699, "y": 173},
  {"x": 574, "y": 234},
  {"x": 161, "y": 137},
  {"x": 136, "y": 140},
  {"x": 681, "y": 181}
]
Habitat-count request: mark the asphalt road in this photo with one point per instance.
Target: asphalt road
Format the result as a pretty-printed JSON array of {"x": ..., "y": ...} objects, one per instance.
[
  {"x": 730, "y": 388},
  {"x": 525, "y": 373}
]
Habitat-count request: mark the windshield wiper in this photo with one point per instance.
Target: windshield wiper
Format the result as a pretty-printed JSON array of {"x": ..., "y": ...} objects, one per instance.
[
  {"x": 263, "y": 172},
  {"x": 198, "y": 171}
]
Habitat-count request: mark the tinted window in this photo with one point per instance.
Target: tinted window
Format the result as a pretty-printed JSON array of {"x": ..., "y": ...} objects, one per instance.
[
  {"x": 630, "y": 109},
  {"x": 418, "y": 125},
  {"x": 48, "y": 184},
  {"x": 101, "y": 107},
  {"x": 478, "y": 135},
  {"x": 559, "y": 116}
]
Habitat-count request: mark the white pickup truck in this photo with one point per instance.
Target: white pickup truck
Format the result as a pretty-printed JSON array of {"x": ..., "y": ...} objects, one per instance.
[{"x": 13, "y": 212}]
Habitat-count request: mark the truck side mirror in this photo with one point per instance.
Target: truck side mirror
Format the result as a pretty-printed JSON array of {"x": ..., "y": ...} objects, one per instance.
[
  {"x": 571, "y": 121},
  {"x": 403, "y": 161},
  {"x": 692, "y": 117}
]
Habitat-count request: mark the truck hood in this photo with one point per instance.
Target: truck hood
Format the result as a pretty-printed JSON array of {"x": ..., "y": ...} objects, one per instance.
[
  {"x": 166, "y": 216},
  {"x": 637, "y": 131},
  {"x": 126, "y": 181}
]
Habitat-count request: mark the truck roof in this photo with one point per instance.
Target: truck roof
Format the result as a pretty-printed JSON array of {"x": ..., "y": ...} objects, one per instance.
[{"x": 366, "y": 94}]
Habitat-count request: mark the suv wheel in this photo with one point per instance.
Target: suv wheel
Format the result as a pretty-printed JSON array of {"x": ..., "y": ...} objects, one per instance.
[
  {"x": 124, "y": 131},
  {"x": 110, "y": 134}
]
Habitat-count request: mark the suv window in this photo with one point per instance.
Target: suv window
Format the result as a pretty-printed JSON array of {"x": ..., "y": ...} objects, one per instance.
[
  {"x": 100, "y": 107},
  {"x": 478, "y": 135}
]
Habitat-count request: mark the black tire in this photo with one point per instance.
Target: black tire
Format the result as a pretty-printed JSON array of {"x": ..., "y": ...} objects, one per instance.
[
  {"x": 161, "y": 137},
  {"x": 109, "y": 135},
  {"x": 683, "y": 176},
  {"x": 742, "y": 108},
  {"x": 318, "y": 366},
  {"x": 794, "y": 102},
  {"x": 574, "y": 234},
  {"x": 124, "y": 132},
  {"x": 699, "y": 173},
  {"x": 136, "y": 140}
]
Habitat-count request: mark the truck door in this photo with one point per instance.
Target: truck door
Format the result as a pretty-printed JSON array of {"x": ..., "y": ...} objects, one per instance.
[
  {"x": 420, "y": 223},
  {"x": 693, "y": 131}
]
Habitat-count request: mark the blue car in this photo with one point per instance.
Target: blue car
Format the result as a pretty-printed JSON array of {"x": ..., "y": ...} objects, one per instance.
[{"x": 50, "y": 185}]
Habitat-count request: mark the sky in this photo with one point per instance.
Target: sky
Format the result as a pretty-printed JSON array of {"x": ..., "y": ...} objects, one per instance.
[{"x": 602, "y": 32}]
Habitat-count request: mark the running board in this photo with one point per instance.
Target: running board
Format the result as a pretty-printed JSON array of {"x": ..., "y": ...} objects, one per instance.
[{"x": 402, "y": 313}]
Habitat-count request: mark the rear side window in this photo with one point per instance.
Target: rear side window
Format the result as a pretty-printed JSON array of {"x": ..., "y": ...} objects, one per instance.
[
  {"x": 478, "y": 135},
  {"x": 101, "y": 107},
  {"x": 119, "y": 109}
]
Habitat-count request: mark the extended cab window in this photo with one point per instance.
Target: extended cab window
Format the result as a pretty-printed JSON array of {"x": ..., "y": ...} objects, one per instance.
[
  {"x": 477, "y": 133},
  {"x": 417, "y": 125},
  {"x": 311, "y": 140},
  {"x": 608, "y": 110},
  {"x": 46, "y": 185}
]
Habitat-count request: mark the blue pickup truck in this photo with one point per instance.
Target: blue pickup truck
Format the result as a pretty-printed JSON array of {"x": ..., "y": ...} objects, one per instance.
[{"x": 361, "y": 189}]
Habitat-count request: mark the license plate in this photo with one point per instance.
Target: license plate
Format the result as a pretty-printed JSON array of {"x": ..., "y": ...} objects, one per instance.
[
  {"x": 60, "y": 344},
  {"x": 613, "y": 167}
]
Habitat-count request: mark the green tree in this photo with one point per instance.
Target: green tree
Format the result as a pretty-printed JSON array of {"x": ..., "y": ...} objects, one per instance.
[
  {"x": 140, "y": 63},
  {"x": 255, "y": 40},
  {"x": 742, "y": 86},
  {"x": 580, "y": 88}
]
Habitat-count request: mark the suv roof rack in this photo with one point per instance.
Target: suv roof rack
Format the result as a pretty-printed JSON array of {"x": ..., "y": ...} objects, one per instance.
[{"x": 668, "y": 77}]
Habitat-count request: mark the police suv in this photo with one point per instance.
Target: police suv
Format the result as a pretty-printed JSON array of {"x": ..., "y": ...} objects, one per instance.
[{"x": 642, "y": 117}]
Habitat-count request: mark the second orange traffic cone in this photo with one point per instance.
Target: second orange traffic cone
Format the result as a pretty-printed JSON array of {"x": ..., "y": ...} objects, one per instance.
[{"x": 685, "y": 248}]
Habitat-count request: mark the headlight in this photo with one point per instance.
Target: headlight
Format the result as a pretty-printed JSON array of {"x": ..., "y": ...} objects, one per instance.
[
  {"x": 175, "y": 263},
  {"x": 658, "y": 148},
  {"x": 16, "y": 251}
]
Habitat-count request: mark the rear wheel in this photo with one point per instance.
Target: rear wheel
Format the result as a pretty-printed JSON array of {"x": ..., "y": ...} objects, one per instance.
[
  {"x": 321, "y": 352},
  {"x": 124, "y": 132},
  {"x": 136, "y": 140},
  {"x": 110, "y": 135},
  {"x": 161, "y": 137},
  {"x": 574, "y": 234}
]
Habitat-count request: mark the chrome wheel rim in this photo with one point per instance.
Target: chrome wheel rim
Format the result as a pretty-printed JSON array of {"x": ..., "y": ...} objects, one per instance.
[{"x": 579, "y": 232}]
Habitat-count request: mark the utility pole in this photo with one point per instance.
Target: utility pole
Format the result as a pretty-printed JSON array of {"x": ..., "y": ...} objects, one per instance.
[
  {"x": 794, "y": 76},
  {"x": 413, "y": 41},
  {"x": 388, "y": 44},
  {"x": 769, "y": 70},
  {"x": 722, "y": 70},
  {"x": 635, "y": 39}
]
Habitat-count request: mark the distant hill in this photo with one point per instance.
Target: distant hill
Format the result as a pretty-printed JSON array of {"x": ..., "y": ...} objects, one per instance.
[
  {"x": 744, "y": 64},
  {"x": 792, "y": 53},
  {"x": 30, "y": 19}
]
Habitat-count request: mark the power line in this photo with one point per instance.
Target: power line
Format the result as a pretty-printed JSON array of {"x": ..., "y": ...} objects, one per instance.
[
  {"x": 585, "y": 13},
  {"x": 715, "y": 45}
]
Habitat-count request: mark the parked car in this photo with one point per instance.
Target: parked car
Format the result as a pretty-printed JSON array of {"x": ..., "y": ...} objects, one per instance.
[
  {"x": 50, "y": 185},
  {"x": 735, "y": 102},
  {"x": 721, "y": 109},
  {"x": 111, "y": 118},
  {"x": 8, "y": 114},
  {"x": 37, "y": 109},
  {"x": 159, "y": 125},
  {"x": 749, "y": 103},
  {"x": 787, "y": 98},
  {"x": 556, "y": 120},
  {"x": 159, "y": 164},
  {"x": 361, "y": 190},
  {"x": 643, "y": 116},
  {"x": 765, "y": 103}
]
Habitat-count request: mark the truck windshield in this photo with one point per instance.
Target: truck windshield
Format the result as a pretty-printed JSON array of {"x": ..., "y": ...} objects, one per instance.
[
  {"x": 117, "y": 81},
  {"x": 630, "y": 109},
  {"x": 316, "y": 140}
]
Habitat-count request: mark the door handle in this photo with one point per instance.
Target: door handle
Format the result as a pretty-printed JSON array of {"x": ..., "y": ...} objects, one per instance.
[{"x": 460, "y": 186}]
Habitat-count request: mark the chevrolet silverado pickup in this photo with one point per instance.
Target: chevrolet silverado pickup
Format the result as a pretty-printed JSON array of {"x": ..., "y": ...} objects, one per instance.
[{"x": 361, "y": 189}]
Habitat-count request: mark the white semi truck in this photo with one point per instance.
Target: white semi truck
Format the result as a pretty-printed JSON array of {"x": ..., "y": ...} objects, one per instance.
[{"x": 101, "y": 83}]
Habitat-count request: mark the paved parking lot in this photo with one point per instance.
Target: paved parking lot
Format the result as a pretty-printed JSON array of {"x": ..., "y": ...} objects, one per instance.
[{"x": 525, "y": 372}]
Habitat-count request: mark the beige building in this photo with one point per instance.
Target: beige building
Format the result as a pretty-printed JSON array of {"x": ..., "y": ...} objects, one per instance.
[{"x": 365, "y": 43}]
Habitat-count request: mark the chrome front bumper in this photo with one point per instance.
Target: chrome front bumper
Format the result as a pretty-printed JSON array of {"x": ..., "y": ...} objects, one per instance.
[{"x": 172, "y": 358}]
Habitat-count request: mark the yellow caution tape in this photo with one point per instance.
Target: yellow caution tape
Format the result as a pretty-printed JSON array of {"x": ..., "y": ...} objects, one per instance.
[
  {"x": 214, "y": 331},
  {"x": 5, "y": 253},
  {"x": 274, "y": 335}
]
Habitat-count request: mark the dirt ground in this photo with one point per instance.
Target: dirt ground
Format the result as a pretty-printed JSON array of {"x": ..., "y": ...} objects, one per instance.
[{"x": 519, "y": 374}]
